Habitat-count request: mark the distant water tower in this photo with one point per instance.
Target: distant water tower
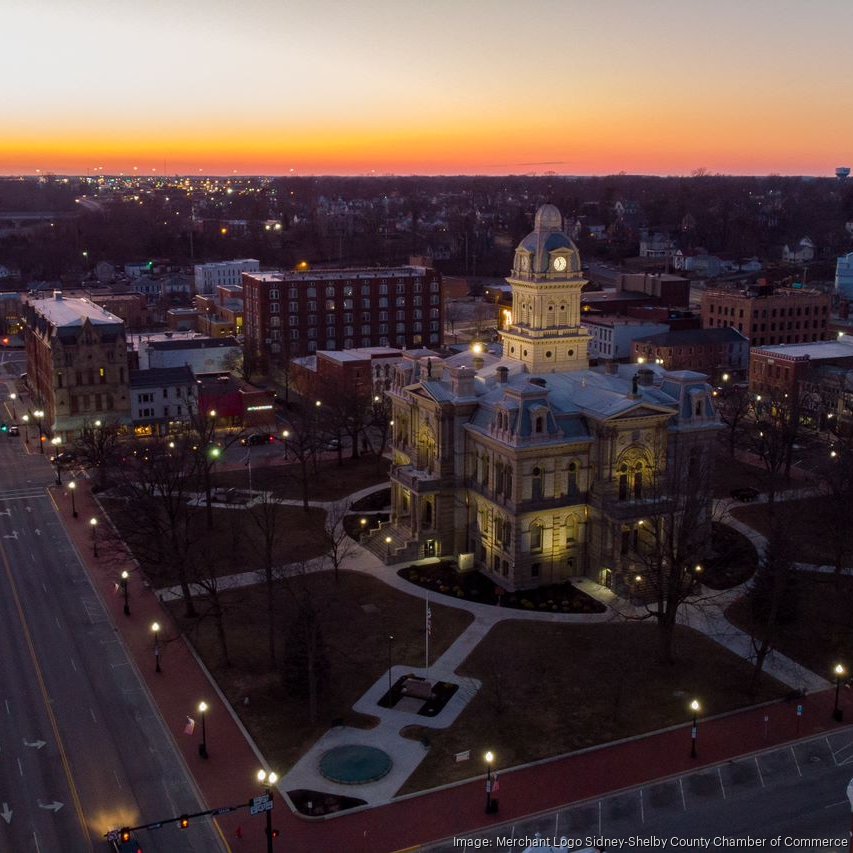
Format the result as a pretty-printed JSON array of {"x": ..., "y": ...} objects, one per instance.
[{"x": 842, "y": 173}]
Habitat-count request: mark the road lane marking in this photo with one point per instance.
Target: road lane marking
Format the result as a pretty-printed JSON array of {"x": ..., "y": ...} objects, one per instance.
[
  {"x": 760, "y": 774},
  {"x": 73, "y": 665},
  {"x": 25, "y": 630},
  {"x": 642, "y": 812},
  {"x": 722, "y": 786},
  {"x": 92, "y": 712},
  {"x": 683, "y": 798},
  {"x": 796, "y": 763}
]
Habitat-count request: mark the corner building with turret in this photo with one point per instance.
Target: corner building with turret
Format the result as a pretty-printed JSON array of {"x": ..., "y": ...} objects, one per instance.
[{"x": 530, "y": 466}]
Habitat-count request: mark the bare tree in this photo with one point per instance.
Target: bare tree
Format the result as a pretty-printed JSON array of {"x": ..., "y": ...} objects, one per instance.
[
  {"x": 266, "y": 517},
  {"x": 772, "y": 436},
  {"x": 97, "y": 448},
  {"x": 674, "y": 537},
  {"x": 734, "y": 406},
  {"x": 303, "y": 443},
  {"x": 339, "y": 544}
]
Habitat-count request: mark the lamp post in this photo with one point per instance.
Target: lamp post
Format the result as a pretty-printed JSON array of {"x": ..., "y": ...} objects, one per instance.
[
  {"x": 38, "y": 414},
  {"x": 694, "y": 731},
  {"x": 56, "y": 441},
  {"x": 72, "y": 487},
  {"x": 13, "y": 396},
  {"x": 26, "y": 420},
  {"x": 838, "y": 711},
  {"x": 93, "y": 523},
  {"x": 284, "y": 436},
  {"x": 491, "y": 805},
  {"x": 155, "y": 628},
  {"x": 202, "y": 747},
  {"x": 125, "y": 577},
  {"x": 388, "y": 548},
  {"x": 390, "y": 640},
  {"x": 268, "y": 780}
]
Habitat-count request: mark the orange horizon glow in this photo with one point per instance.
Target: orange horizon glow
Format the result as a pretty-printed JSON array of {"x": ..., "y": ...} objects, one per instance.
[{"x": 376, "y": 87}]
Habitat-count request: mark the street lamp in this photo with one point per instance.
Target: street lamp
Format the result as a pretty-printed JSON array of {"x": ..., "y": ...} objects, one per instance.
[
  {"x": 284, "y": 436},
  {"x": 202, "y": 747},
  {"x": 155, "y": 628},
  {"x": 268, "y": 780},
  {"x": 93, "y": 523},
  {"x": 840, "y": 672},
  {"x": 124, "y": 579},
  {"x": 38, "y": 414},
  {"x": 388, "y": 548},
  {"x": 695, "y": 707},
  {"x": 13, "y": 396},
  {"x": 72, "y": 487},
  {"x": 56, "y": 441},
  {"x": 26, "y": 420},
  {"x": 491, "y": 805}
]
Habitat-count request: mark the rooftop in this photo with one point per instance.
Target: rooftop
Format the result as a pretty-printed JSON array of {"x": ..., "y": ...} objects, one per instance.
[
  {"x": 365, "y": 273},
  {"x": 840, "y": 348},
  {"x": 159, "y": 377},
  {"x": 72, "y": 312}
]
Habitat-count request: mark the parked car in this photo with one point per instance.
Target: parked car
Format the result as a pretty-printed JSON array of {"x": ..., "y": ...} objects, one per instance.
[
  {"x": 332, "y": 444},
  {"x": 13, "y": 430},
  {"x": 257, "y": 438},
  {"x": 68, "y": 457},
  {"x": 747, "y": 494}
]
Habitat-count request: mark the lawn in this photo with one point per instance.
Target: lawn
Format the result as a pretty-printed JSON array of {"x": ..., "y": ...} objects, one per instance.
[
  {"x": 806, "y": 518},
  {"x": 356, "y": 617},
  {"x": 821, "y": 631},
  {"x": 566, "y": 687},
  {"x": 234, "y": 545},
  {"x": 330, "y": 482}
]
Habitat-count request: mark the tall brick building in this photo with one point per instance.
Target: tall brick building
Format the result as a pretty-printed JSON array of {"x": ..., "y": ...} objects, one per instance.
[
  {"x": 293, "y": 314},
  {"x": 769, "y": 315}
]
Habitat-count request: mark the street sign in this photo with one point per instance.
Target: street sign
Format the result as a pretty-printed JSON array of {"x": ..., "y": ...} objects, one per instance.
[
  {"x": 799, "y": 710},
  {"x": 260, "y": 804},
  {"x": 223, "y": 810}
]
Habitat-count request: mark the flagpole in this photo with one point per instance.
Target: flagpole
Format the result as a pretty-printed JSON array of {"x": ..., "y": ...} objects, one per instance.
[{"x": 428, "y": 630}]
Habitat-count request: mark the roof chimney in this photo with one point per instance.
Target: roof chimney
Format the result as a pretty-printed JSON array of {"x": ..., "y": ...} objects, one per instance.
[
  {"x": 645, "y": 377},
  {"x": 503, "y": 374}
]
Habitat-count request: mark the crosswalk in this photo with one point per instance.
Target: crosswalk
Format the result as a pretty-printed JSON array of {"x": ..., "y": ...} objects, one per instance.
[{"x": 23, "y": 494}]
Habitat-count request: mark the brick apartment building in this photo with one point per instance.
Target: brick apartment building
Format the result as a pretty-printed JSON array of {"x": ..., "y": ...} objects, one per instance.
[
  {"x": 294, "y": 314},
  {"x": 76, "y": 364},
  {"x": 714, "y": 352},
  {"x": 768, "y": 315}
]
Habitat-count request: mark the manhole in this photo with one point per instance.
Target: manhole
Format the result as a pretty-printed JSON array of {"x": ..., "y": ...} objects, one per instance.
[{"x": 354, "y": 764}]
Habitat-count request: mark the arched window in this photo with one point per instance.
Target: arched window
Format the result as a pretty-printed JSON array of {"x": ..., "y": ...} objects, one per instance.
[
  {"x": 623, "y": 482},
  {"x": 426, "y": 517},
  {"x": 572, "y": 485},
  {"x": 638, "y": 480},
  {"x": 538, "y": 427},
  {"x": 536, "y": 535},
  {"x": 536, "y": 484},
  {"x": 571, "y": 530}
]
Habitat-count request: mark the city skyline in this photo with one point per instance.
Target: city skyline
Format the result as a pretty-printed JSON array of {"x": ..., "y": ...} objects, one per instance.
[{"x": 381, "y": 87}]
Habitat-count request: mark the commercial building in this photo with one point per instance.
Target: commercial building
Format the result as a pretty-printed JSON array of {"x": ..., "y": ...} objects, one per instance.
[
  {"x": 293, "y": 314},
  {"x": 716, "y": 352},
  {"x": 612, "y": 335},
  {"x": 532, "y": 467},
  {"x": 175, "y": 349},
  {"x": 769, "y": 315},
  {"x": 208, "y": 277},
  {"x": 76, "y": 364},
  {"x": 162, "y": 400},
  {"x": 368, "y": 369},
  {"x": 221, "y": 313},
  {"x": 844, "y": 277}
]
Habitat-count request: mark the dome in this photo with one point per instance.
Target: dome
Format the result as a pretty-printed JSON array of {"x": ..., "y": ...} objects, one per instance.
[
  {"x": 548, "y": 217},
  {"x": 548, "y": 236}
]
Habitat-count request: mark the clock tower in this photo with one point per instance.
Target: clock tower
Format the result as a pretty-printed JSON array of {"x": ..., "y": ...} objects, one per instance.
[{"x": 545, "y": 333}]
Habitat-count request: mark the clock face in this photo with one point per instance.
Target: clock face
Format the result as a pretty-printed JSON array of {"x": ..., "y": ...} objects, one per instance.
[{"x": 559, "y": 264}]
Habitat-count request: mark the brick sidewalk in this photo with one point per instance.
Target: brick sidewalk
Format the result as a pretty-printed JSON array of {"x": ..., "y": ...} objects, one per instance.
[{"x": 228, "y": 776}]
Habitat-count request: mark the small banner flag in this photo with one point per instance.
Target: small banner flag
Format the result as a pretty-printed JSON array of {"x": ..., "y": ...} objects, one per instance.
[
  {"x": 495, "y": 783},
  {"x": 189, "y": 728},
  {"x": 118, "y": 588}
]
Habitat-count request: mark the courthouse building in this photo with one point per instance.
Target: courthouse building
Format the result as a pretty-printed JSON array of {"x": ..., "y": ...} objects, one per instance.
[{"x": 532, "y": 467}]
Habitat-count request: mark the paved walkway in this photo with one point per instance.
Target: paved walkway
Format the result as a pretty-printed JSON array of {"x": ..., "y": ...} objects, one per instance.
[{"x": 227, "y": 778}]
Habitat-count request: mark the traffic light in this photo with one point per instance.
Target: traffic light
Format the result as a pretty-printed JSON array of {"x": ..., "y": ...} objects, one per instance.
[
  {"x": 184, "y": 821},
  {"x": 275, "y": 833},
  {"x": 125, "y": 835},
  {"x": 4, "y": 427}
]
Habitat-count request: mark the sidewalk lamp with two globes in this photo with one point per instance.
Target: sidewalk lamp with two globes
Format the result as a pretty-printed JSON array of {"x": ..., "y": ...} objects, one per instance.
[
  {"x": 840, "y": 672},
  {"x": 56, "y": 441},
  {"x": 38, "y": 414},
  {"x": 72, "y": 487},
  {"x": 93, "y": 523},
  {"x": 268, "y": 780},
  {"x": 695, "y": 707}
]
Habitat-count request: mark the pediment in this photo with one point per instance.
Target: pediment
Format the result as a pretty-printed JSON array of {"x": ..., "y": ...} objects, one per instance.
[{"x": 642, "y": 411}]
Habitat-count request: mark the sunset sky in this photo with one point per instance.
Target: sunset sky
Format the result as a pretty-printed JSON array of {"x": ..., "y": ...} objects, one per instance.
[{"x": 426, "y": 86}]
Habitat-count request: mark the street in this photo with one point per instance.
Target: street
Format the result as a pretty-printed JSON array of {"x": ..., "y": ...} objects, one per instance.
[{"x": 83, "y": 749}]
